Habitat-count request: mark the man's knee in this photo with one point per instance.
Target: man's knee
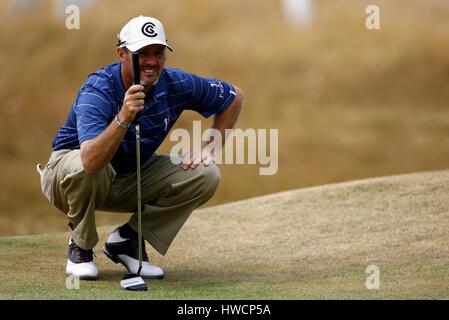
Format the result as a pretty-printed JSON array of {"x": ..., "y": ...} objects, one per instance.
[{"x": 210, "y": 176}]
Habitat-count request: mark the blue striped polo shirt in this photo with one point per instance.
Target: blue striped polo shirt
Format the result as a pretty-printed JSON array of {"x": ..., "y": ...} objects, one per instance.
[{"x": 102, "y": 94}]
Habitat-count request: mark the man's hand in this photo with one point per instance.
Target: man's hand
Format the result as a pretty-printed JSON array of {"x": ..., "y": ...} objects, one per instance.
[
  {"x": 193, "y": 158},
  {"x": 98, "y": 152},
  {"x": 132, "y": 103},
  {"x": 222, "y": 121}
]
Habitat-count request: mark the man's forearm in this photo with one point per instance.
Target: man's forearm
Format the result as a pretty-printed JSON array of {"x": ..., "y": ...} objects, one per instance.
[
  {"x": 228, "y": 118},
  {"x": 97, "y": 153},
  {"x": 210, "y": 148}
]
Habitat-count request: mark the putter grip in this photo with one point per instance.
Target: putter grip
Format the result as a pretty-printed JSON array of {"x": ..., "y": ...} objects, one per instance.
[
  {"x": 136, "y": 68},
  {"x": 136, "y": 77}
]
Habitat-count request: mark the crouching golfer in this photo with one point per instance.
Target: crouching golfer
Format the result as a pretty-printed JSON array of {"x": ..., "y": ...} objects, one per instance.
[{"x": 93, "y": 163}]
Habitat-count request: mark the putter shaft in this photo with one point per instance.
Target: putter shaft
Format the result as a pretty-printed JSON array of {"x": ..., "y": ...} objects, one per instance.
[{"x": 139, "y": 200}]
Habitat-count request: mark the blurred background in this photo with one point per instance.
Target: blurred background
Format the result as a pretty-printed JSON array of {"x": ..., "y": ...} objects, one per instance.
[{"x": 349, "y": 102}]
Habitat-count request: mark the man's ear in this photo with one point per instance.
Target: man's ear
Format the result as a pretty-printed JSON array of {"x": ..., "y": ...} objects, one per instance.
[{"x": 121, "y": 54}]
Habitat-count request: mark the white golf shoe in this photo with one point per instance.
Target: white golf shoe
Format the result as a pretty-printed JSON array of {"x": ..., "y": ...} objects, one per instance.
[
  {"x": 122, "y": 247},
  {"x": 80, "y": 263}
]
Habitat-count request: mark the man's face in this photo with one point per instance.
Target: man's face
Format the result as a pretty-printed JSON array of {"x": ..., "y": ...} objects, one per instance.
[{"x": 152, "y": 60}]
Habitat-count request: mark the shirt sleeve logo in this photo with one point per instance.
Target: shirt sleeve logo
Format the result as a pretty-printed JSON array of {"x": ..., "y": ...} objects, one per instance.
[{"x": 219, "y": 85}]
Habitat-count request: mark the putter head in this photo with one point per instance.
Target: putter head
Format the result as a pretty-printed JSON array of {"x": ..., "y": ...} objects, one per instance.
[{"x": 133, "y": 282}]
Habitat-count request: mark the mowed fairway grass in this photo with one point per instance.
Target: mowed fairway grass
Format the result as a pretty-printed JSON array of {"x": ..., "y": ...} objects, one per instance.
[{"x": 313, "y": 243}]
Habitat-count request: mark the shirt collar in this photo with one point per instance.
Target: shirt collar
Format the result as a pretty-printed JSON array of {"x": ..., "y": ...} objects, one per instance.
[{"x": 160, "y": 90}]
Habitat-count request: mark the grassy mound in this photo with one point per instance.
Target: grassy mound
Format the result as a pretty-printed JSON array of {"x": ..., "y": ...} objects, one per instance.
[{"x": 301, "y": 244}]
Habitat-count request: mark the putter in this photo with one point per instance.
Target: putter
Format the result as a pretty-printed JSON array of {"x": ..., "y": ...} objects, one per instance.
[{"x": 132, "y": 281}]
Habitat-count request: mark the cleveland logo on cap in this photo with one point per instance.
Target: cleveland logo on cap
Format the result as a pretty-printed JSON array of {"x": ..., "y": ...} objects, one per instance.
[
  {"x": 148, "y": 29},
  {"x": 142, "y": 31}
]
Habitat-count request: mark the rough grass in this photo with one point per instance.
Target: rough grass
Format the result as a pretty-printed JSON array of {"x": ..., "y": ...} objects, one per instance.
[
  {"x": 312, "y": 243},
  {"x": 349, "y": 103}
]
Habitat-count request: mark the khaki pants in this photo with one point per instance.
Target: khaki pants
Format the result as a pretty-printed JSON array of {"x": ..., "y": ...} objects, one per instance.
[{"x": 169, "y": 195}]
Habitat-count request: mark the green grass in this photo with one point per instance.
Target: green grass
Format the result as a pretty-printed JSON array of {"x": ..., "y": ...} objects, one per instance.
[{"x": 313, "y": 243}]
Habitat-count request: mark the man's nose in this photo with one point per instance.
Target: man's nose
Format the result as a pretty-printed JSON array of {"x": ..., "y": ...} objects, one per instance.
[{"x": 149, "y": 60}]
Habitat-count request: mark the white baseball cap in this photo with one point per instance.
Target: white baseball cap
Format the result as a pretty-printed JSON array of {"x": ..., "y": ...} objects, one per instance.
[{"x": 140, "y": 32}]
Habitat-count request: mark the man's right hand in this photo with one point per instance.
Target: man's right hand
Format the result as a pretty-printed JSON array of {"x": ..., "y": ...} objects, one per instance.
[
  {"x": 132, "y": 103},
  {"x": 97, "y": 153}
]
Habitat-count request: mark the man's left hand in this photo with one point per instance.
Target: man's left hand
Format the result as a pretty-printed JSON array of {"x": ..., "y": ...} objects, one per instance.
[{"x": 193, "y": 158}]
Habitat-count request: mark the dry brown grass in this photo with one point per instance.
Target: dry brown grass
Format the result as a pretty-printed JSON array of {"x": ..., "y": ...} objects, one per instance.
[
  {"x": 312, "y": 243},
  {"x": 349, "y": 103}
]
